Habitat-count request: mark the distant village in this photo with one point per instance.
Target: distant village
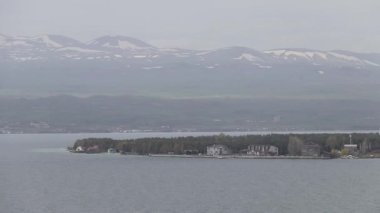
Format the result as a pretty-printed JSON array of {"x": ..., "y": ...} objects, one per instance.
[
  {"x": 295, "y": 147},
  {"x": 309, "y": 150},
  {"x": 218, "y": 150}
]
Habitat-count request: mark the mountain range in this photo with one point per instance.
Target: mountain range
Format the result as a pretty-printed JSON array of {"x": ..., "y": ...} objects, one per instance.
[
  {"x": 57, "y": 47},
  {"x": 53, "y": 83},
  {"x": 119, "y": 65}
]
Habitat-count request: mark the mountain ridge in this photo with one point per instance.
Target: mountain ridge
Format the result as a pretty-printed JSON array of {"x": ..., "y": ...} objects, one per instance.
[
  {"x": 117, "y": 65},
  {"x": 50, "y": 46}
]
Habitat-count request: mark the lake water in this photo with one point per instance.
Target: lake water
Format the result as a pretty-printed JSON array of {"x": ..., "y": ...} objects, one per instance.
[{"x": 37, "y": 175}]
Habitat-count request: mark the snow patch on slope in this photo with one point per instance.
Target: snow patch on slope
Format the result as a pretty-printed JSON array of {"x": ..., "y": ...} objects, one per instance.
[
  {"x": 352, "y": 59},
  {"x": 18, "y": 43},
  {"x": 139, "y": 56},
  {"x": 308, "y": 55},
  {"x": 205, "y": 52},
  {"x": 49, "y": 42},
  {"x": 78, "y": 49},
  {"x": 313, "y": 56},
  {"x": 125, "y": 45},
  {"x": 128, "y": 45},
  {"x": 248, "y": 57},
  {"x": 345, "y": 57},
  {"x": 371, "y": 63}
]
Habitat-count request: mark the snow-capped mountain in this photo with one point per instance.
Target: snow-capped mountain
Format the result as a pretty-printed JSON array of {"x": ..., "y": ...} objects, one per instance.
[
  {"x": 131, "y": 50},
  {"x": 236, "y": 55},
  {"x": 44, "y": 47},
  {"x": 315, "y": 57},
  {"x": 54, "y": 64},
  {"x": 38, "y": 42},
  {"x": 119, "y": 42}
]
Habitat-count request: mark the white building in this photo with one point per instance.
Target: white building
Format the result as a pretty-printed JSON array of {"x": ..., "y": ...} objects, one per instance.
[
  {"x": 262, "y": 150},
  {"x": 352, "y": 148},
  {"x": 218, "y": 150},
  {"x": 79, "y": 149},
  {"x": 111, "y": 150}
]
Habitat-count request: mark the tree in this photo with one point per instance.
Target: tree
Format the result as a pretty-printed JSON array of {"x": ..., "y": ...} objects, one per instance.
[
  {"x": 345, "y": 152},
  {"x": 334, "y": 142},
  {"x": 295, "y": 145}
]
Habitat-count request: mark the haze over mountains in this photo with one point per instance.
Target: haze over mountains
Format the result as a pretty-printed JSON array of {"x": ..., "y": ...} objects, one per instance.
[
  {"x": 240, "y": 81},
  {"x": 48, "y": 47},
  {"x": 124, "y": 65}
]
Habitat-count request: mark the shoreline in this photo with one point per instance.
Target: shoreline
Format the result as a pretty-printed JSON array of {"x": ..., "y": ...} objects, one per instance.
[
  {"x": 222, "y": 146},
  {"x": 240, "y": 157}
]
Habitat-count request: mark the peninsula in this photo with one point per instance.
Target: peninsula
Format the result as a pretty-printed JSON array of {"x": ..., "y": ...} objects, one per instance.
[{"x": 279, "y": 146}]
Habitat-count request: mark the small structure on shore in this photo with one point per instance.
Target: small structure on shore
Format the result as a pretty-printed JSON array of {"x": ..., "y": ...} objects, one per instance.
[
  {"x": 111, "y": 150},
  {"x": 218, "y": 149},
  {"x": 351, "y": 148},
  {"x": 262, "y": 150},
  {"x": 311, "y": 149},
  {"x": 80, "y": 149},
  {"x": 93, "y": 149}
]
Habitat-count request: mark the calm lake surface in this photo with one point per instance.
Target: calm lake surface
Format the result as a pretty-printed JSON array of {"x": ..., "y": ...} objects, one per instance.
[{"x": 37, "y": 175}]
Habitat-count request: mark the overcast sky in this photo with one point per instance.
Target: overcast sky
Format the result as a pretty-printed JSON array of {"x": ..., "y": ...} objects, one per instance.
[{"x": 203, "y": 24}]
